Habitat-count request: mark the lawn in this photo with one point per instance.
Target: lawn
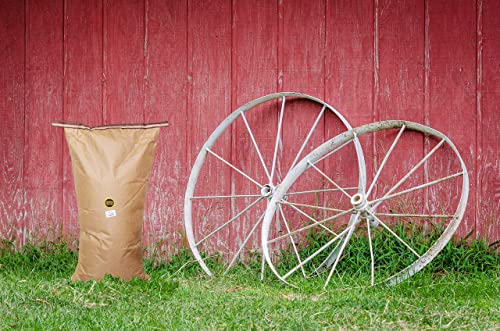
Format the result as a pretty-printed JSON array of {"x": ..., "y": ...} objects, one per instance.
[{"x": 460, "y": 291}]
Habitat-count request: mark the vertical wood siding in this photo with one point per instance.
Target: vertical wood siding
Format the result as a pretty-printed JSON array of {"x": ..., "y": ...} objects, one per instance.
[
  {"x": 488, "y": 119},
  {"x": 255, "y": 62},
  {"x": 166, "y": 97},
  {"x": 43, "y": 145},
  {"x": 83, "y": 66},
  {"x": 12, "y": 109},
  {"x": 193, "y": 62},
  {"x": 452, "y": 68}
]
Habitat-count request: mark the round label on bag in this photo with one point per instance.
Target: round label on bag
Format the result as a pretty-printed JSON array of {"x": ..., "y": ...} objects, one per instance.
[{"x": 109, "y": 202}]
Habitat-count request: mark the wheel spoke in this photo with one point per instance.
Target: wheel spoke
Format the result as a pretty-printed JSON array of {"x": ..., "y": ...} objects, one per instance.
[
  {"x": 304, "y": 144},
  {"x": 394, "y": 234},
  {"x": 225, "y": 196},
  {"x": 386, "y": 157},
  {"x": 312, "y": 219},
  {"x": 234, "y": 168},
  {"x": 328, "y": 258},
  {"x": 329, "y": 179},
  {"x": 310, "y": 206},
  {"x": 230, "y": 221},
  {"x": 235, "y": 257},
  {"x": 278, "y": 137},
  {"x": 295, "y": 250},
  {"x": 206, "y": 230},
  {"x": 313, "y": 225},
  {"x": 256, "y": 146},
  {"x": 305, "y": 218},
  {"x": 320, "y": 191},
  {"x": 344, "y": 243},
  {"x": 334, "y": 151},
  {"x": 312, "y": 256},
  {"x": 419, "y": 187},
  {"x": 372, "y": 258},
  {"x": 402, "y": 180}
]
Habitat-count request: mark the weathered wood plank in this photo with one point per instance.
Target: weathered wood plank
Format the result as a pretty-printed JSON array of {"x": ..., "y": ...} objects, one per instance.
[
  {"x": 12, "y": 50},
  {"x": 400, "y": 95},
  {"x": 83, "y": 55},
  {"x": 401, "y": 60},
  {"x": 44, "y": 101},
  {"x": 349, "y": 59},
  {"x": 488, "y": 130},
  {"x": 302, "y": 58},
  {"x": 209, "y": 58},
  {"x": 123, "y": 61},
  {"x": 254, "y": 73},
  {"x": 452, "y": 92},
  {"x": 301, "y": 69},
  {"x": 349, "y": 78},
  {"x": 166, "y": 99}
]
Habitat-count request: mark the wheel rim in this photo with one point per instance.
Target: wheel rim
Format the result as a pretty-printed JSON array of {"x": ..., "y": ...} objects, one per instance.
[
  {"x": 371, "y": 214},
  {"x": 265, "y": 184}
]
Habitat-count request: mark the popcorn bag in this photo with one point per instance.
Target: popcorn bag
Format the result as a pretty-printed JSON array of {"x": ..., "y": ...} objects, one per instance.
[{"x": 111, "y": 167}]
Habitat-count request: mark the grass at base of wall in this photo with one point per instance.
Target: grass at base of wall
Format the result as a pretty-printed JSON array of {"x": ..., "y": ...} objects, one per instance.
[{"x": 36, "y": 293}]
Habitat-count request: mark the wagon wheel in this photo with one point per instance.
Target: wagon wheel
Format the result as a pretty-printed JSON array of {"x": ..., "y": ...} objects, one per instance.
[
  {"x": 238, "y": 169},
  {"x": 387, "y": 232}
]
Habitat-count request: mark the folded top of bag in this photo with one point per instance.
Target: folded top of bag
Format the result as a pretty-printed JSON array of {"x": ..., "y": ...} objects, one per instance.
[{"x": 114, "y": 126}]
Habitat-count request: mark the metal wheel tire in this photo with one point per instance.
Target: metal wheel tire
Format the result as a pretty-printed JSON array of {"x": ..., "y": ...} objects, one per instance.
[
  {"x": 214, "y": 212},
  {"x": 415, "y": 201}
]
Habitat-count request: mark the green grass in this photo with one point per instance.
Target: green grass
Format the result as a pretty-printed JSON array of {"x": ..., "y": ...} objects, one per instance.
[
  {"x": 390, "y": 255},
  {"x": 459, "y": 290}
]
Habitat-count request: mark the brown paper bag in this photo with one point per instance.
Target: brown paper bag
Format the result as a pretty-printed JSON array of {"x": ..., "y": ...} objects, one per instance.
[{"x": 111, "y": 167}]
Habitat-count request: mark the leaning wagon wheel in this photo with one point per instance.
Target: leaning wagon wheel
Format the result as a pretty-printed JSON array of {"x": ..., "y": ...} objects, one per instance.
[
  {"x": 387, "y": 232},
  {"x": 238, "y": 169}
]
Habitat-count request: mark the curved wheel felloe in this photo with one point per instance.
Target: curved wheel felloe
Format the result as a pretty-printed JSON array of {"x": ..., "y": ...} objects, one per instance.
[
  {"x": 239, "y": 168},
  {"x": 415, "y": 200}
]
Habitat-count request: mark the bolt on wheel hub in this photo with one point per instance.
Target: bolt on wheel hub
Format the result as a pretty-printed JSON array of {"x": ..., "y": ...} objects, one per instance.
[{"x": 267, "y": 191}]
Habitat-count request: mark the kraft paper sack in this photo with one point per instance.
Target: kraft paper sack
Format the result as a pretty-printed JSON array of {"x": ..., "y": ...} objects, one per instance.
[{"x": 111, "y": 167}]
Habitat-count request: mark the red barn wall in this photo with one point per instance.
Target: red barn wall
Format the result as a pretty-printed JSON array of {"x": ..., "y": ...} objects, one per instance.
[{"x": 193, "y": 62}]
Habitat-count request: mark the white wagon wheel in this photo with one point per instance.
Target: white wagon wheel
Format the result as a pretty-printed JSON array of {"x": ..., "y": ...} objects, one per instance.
[
  {"x": 213, "y": 211},
  {"x": 398, "y": 224}
]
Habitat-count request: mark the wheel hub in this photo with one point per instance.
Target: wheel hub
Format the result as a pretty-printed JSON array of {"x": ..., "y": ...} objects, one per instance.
[
  {"x": 360, "y": 204},
  {"x": 358, "y": 201},
  {"x": 267, "y": 191}
]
